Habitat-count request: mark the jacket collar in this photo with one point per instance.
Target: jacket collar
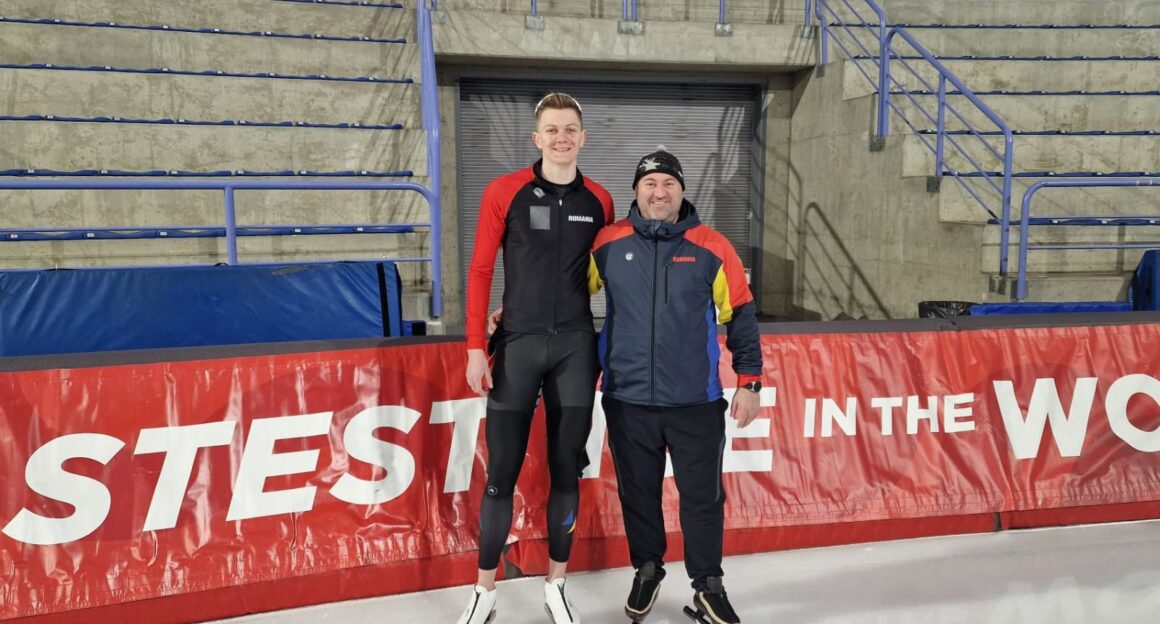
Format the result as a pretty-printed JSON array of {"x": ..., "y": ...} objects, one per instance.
[
  {"x": 687, "y": 219},
  {"x": 538, "y": 172}
]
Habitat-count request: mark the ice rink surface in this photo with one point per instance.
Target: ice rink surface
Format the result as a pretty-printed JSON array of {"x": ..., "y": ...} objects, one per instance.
[{"x": 1094, "y": 574}]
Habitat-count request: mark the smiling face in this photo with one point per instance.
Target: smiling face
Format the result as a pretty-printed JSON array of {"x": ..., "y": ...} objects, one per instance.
[
  {"x": 559, "y": 135},
  {"x": 659, "y": 196}
]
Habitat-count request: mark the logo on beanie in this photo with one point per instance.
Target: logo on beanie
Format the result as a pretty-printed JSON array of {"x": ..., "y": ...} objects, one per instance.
[{"x": 649, "y": 164}]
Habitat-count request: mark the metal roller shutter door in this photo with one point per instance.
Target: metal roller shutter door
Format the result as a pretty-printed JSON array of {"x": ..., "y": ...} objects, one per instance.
[{"x": 710, "y": 128}]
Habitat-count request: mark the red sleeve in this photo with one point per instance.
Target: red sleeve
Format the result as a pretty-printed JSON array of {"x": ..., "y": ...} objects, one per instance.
[
  {"x": 731, "y": 266},
  {"x": 605, "y": 199},
  {"x": 493, "y": 209}
]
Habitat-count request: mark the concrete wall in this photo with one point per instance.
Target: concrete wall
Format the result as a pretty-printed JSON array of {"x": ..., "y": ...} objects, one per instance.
[{"x": 861, "y": 240}]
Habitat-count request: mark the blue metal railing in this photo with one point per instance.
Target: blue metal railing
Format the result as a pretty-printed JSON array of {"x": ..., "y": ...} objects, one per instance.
[
  {"x": 432, "y": 193},
  {"x": 429, "y": 98},
  {"x": 884, "y": 54},
  {"x": 231, "y": 228},
  {"x": 1025, "y": 222}
]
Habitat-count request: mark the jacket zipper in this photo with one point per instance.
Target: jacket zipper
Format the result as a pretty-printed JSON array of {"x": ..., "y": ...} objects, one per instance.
[
  {"x": 652, "y": 354},
  {"x": 556, "y": 276},
  {"x": 668, "y": 267}
]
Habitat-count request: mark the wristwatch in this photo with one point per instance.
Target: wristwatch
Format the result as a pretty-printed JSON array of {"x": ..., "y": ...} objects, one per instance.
[{"x": 753, "y": 386}]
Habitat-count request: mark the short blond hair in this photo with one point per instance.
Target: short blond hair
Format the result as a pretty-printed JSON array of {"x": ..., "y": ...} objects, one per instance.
[{"x": 560, "y": 101}]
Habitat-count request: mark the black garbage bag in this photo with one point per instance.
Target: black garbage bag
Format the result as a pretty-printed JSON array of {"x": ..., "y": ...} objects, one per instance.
[{"x": 944, "y": 309}]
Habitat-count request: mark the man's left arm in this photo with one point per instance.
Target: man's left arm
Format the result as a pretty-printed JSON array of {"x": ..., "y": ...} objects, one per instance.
[{"x": 737, "y": 310}]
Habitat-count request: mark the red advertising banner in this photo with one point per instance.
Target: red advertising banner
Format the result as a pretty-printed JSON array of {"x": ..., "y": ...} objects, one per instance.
[{"x": 130, "y": 482}]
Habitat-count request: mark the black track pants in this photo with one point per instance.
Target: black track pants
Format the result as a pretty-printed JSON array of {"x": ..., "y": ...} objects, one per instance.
[
  {"x": 564, "y": 366},
  {"x": 695, "y": 438}
]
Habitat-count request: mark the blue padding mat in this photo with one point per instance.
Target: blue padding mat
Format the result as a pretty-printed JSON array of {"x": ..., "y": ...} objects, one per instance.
[
  {"x": 1145, "y": 288},
  {"x": 80, "y": 311},
  {"x": 1049, "y": 307}
]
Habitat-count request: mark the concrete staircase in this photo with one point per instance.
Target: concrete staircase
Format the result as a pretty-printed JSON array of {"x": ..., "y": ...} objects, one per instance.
[
  {"x": 1098, "y": 101},
  {"x": 211, "y": 77}
]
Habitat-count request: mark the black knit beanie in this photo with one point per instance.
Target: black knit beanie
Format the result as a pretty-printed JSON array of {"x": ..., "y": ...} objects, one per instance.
[{"x": 659, "y": 161}]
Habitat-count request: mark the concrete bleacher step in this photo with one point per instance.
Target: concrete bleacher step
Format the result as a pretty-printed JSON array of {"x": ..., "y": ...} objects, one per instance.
[
  {"x": 1093, "y": 286},
  {"x": 77, "y": 146},
  {"x": 956, "y": 205},
  {"x": 1012, "y": 75},
  {"x": 1104, "y": 154},
  {"x": 205, "y": 98},
  {"x": 1114, "y": 113},
  {"x": 1070, "y": 261},
  {"x": 244, "y": 15},
  {"x": 79, "y": 46},
  {"x": 1022, "y": 41},
  {"x": 737, "y": 11},
  {"x": 1071, "y": 12}
]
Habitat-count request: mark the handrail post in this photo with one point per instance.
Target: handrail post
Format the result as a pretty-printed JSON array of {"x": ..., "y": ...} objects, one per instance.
[
  {"x": 534, "y": 8},
  {"x": 634, "y": 10},
  {"x": 1005, "y": 235},
  {"x": 884, "y": 40},
  {"x": 231, "y": 228},
  {"x": 942, "y": 125},
  {"x": 809, "y": 8},
  {"x": 721, "y": 13},
  {"x": 1024, "y": 241},
  {"x": 823, "y": 37},
  {"x": 430, "y": 110}
]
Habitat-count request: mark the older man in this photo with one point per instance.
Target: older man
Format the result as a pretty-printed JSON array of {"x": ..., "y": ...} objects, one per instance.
[{"x": 669, "y": 280}]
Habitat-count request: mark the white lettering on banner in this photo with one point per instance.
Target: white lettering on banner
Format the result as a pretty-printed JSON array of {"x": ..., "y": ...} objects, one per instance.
[
  {"x": 956, "y": 406},
  {"x": 1116, "y": 404},
  {"x": 594, "y": 447},
  {"x": 831, "y": 414},
  {"x": 180, "y": 445},
  {"x": 464, "y": 416},
  {"x": 46, "y": 476},
  {"x": 361, "y": 444},
  {"x": 886, "y": 406},
  {"x": 1025, "y": 433},
  {"x": 259, "y": 461},
  {"x": 755, "y": 460},
  {"x": 914, "y": 413}
]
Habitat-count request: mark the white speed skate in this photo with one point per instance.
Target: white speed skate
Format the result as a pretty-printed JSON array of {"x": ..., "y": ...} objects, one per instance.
[
  {"x": 558, "y": 605},
  {"x": 481, "y": 608}
]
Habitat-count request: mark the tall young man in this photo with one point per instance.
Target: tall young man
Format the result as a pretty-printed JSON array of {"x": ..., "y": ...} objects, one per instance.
[
  {"x": 668, "y": 281},
  {"x": 545, "y": 218}
]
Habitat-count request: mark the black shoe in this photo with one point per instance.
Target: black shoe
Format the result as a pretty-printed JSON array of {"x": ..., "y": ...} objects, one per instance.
[
  {"x": 645, "y": 587},
  {"x": 712, "y": 601}
]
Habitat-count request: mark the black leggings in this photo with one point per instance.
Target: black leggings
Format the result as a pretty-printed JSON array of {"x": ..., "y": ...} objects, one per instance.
[{"x": 565, "y": 366}]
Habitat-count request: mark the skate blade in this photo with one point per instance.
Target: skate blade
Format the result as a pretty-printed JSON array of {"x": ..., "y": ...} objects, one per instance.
[
  {"x": 697, "y": 615},
  {"x": 490, "y": 617}
]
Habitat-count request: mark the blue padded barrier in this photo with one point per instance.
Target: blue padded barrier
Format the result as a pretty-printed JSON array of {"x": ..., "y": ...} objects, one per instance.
[
  {"x": 1049, "y": 307},
  {"x": 1144, "y": 291},
  {"x": 68, "y": 311}
]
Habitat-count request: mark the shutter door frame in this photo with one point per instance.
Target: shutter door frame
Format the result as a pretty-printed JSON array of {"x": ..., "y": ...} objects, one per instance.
[{"x": 714, "y": 128}]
